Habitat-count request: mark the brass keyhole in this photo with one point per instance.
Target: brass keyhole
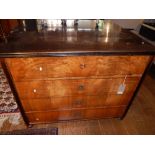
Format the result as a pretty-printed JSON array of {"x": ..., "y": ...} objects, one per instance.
[
  {"x": 78, "y": 102},
  {"x": 81, "y": 87},
  {"x": 82, "y": 66}
]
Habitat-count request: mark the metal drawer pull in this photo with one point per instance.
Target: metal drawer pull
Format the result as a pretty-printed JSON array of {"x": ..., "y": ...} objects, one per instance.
[
  {"x": 81, "y": 87},
  {"x": 82, "y": 66}
]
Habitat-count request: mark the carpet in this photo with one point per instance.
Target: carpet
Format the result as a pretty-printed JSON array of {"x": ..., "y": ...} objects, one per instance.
[
  {"x": 41, "y": 131},
  {"x": 7, "y": 101},
  {"x": 8, "y": 107}
]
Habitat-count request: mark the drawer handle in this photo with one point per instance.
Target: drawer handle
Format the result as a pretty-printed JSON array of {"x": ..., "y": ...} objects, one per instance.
[
  {"x": 81, "y": 87},
  {"x": 82, "y": 66}
]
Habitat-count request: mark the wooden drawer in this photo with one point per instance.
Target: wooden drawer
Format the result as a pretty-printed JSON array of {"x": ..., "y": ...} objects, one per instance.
[
  {"x": 104, "y": 112},
  {"x": 57, "y": 103},
  {"x": 34, "y": 89},
  {"x": 69, "y": 102},
  {"x": 79, "y": 66},
  {"x": 73, "y": 102},
  {"x": 46, "y": 104},
  {"x": 61, "y": 88},
  {"x": 92, "y": 86},
  {"x": 107, "y": 100},
  {"x": 47, "y": 117},
  {"x": 27, "y": 68},
  {"x": 42, "y": 104}
]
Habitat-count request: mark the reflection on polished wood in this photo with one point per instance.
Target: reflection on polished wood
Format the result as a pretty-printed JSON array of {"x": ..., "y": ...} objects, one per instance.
[
  {"x": 79, "y": 73},
  {"x": 111, "y": 38},
  {"x": 24, "y": 69},
  {"x": 139, "y": 119},
  {"x": 60, "y": 88}
]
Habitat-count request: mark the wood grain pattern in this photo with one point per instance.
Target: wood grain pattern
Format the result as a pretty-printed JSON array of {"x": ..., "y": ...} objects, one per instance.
[
  {"x": 64, "y": 42},
  {"x": 54, "y": 103},
  {"x": 139, "y": 119},
  {"x": 92, "y": 86},
  {"x": 48, "y": 117},
  {"x": 60, "y": 88},
  {"x": 34, "y": 89},
  {"x": 104, "y": 113},
  {"x": 73, "y": 102},
  {"x": 80, "y": 74},
  {"x": 108, "y": 100},
  {"x": 41, "y": 104},
  {"x": 66, "y": 88},
  {"x": 60, "y": 67}
]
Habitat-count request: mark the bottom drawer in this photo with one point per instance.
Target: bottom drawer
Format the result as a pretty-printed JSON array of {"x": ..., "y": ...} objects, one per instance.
[
  {"x": 47, "y": 117},
  {"x": 104, "y": 112}
]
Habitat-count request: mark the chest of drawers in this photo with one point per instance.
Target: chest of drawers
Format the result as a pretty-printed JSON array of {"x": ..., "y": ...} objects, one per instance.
[
  {"x": 72, "y": 73},
  {"x": 75, "y": 87}
]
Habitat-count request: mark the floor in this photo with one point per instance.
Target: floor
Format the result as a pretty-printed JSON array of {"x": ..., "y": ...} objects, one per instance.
[{"x": 140, "y": 118}]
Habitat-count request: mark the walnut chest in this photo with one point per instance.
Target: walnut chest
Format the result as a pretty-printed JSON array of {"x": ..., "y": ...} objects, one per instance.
[
  {"x": 75, "y": 87},
  {"x": 73, "y": 73}
]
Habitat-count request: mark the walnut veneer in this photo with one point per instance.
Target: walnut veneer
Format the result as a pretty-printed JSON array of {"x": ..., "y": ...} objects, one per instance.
[{"x": 78, "y": 87}]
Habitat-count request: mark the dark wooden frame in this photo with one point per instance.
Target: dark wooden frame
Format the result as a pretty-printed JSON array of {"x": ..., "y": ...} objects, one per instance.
[{"x": 73, "y": 53}]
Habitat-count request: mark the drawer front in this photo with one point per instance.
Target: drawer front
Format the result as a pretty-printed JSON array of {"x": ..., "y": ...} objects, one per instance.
[
  {"x": 73, "y": 102},
  {"x": 79, "y": 66},
  {"x": 61, "y": 88},
  {"x": 104, "y": 112},
  {"x": 44, "y": 104},
  {"x": 93, "y": 86},
  {"x": 27, "y": 68},
  {"x": 57, "y": 103},
  {"x": 68, "y": 102},
  {"x": 81, "y": 87},
  {"x": 46, "y": 117},
  {"x": 107, "y": 100},
  {"x": 34, "y": 89}
]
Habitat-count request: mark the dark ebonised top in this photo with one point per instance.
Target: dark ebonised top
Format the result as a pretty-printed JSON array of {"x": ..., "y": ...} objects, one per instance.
[{"x": 109, "y": 39}]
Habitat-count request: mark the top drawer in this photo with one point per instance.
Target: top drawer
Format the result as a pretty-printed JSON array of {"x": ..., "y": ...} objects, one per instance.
[{"x": 79, "y": 66}]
